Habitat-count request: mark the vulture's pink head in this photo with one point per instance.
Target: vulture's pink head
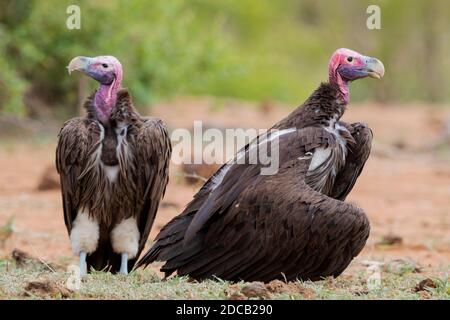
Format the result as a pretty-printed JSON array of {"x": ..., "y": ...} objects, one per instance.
[
  {"x": 347, "y": 65},
  {"x": 107, "y": 70},
  {"x": 104, "y": 69}
]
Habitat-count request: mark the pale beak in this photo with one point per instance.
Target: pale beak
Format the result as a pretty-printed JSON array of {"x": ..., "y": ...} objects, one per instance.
[
  {"x": 375, "y": 68},
  {"x": 78, "y": 64}
]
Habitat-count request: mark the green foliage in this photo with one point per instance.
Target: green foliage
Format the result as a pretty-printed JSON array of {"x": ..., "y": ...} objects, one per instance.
[
  {"x": 6, "y": 231},
  {"x": 12, "y": 86},
  {"x": 164, "y": 50},
  {"x": 256, "y": 50}
]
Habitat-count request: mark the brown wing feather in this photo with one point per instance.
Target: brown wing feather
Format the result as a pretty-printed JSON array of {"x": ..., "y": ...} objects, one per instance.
[
  {"x": 251, "y": 232},
  {"x": 270, "y": 235},
  {"x": 285, "y": 233},
  {"x": 238, "y": 177},
  {"x": 356, "y": 159},
  {"x": 153, "y": 152},
  {"x": 77, "y": 140}
]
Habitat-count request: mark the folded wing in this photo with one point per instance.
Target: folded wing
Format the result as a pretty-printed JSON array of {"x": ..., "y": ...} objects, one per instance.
[{"x": 255, "y": 227}]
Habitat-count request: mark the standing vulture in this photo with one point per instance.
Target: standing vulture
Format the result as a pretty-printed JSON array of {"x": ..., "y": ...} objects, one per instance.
[
  {"x": 243, "y": 225},
  {"x": 114, "y": 166}
]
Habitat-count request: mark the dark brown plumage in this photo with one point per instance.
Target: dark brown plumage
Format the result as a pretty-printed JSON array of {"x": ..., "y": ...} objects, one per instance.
[
  {"x": 138, "y": 147},
  {"x": 243, "y": 225},
  {"x": 252, "y": 227}
]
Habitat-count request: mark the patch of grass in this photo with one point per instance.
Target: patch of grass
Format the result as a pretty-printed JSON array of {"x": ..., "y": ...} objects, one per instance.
[
  {"x": 6, "y": 230},
  {"x": 34, "y": 281}
]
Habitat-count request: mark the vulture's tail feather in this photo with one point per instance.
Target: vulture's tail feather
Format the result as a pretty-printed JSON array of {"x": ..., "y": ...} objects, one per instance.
[{"x": 169, "y": 245}]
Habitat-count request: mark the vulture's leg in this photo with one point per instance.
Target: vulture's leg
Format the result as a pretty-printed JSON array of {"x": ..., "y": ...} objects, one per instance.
[
  {"x": 125, "y": 241},
  {"x": 84, "y": 238},
  {"x": 83, "y": 265},
  {"x": 357, "y": 156},
  {"x": 124, "y": 263}
]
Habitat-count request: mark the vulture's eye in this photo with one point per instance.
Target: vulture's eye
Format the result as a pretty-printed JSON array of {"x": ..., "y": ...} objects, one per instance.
[
  {"x": 104, "y": 65},
  {"x": 350, "y": 59}
]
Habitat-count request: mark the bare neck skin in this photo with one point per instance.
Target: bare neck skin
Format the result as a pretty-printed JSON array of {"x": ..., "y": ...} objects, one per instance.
[
  {"x": 105, "y": 99},
  {"x": 336, "y": 79}
]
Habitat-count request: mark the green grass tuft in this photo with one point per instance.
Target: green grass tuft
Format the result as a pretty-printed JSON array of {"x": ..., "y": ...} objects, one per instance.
[{"x": 33, "y": 281}]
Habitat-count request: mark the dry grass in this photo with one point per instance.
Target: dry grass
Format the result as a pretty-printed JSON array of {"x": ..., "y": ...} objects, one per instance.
[
  {"x": 34, "y": 280},
  {"x": 403, "y": 189}
]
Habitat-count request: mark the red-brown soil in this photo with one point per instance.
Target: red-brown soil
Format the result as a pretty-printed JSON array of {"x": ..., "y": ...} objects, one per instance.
[{"x": 404, "y": 188}]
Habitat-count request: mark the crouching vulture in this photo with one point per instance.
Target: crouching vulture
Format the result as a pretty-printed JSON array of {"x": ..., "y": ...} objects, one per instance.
[
  {"x": 113, "y": 166},
  {"x": 243, "y": 225}
]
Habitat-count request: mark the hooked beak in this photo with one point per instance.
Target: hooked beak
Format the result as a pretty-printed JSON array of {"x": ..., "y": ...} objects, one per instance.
[
  {"x": 79, "y": 64},
  {"x": 374, "y": 68}
]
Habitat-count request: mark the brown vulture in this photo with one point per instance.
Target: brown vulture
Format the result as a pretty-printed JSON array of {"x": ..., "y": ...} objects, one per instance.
[
  {"x": 114, "y": 166},
  {"x": 295, "y": 224}
]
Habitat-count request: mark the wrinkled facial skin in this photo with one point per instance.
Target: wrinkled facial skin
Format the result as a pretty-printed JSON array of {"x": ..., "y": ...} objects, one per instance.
[
  {"x": 347, "y": 65},
  {"x": 98, "y": 71},
  {"x": 107, "y": 70},
  {"x": 102, "y": 69},
  {"x": 359, "y": 67},
  {"x": 353, "y": 65}
]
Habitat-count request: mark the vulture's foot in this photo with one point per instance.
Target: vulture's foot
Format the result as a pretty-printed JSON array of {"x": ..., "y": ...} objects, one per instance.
[
  {"x": 83, "y": 265},
  {"x": 125, "y": 241},
  {"x": 124, "y": 263}
]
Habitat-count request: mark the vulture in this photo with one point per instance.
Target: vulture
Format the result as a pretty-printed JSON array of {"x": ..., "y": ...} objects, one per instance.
[
  {"x": 113, "y": 166},
  {"x": 295, "y": 224}
]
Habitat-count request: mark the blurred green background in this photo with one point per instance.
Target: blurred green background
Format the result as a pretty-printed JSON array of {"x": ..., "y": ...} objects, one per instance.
[{"x": 249, "y": 49}]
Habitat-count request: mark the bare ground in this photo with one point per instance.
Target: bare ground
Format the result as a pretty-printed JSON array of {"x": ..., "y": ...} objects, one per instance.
[{"x": 404, "y": 188}]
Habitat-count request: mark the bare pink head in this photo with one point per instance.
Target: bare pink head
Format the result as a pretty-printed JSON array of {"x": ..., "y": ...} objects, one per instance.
[
  {"x": 347, "y": 65},
  {"x": 107, "y": 70}
]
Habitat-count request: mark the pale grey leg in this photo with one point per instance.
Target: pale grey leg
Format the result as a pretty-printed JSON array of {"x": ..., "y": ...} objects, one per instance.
[
  {"x": 83, "y": 265},
  {"x": 124, "y": 264}
]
